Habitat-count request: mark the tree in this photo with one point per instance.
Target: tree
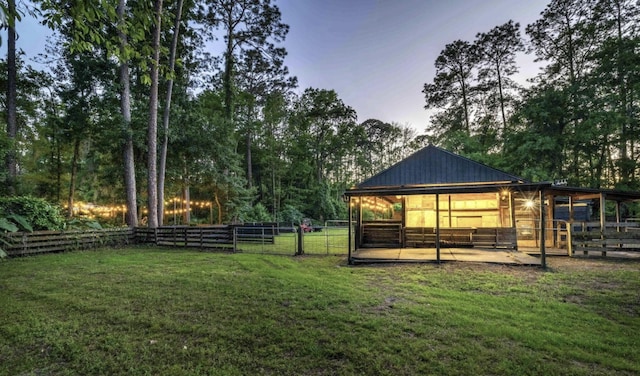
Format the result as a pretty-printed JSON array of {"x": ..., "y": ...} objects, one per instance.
[
  {"x": 152, "y": 129},
  {"x": 319, "y": 137},
  {"x": 12, "y": 128},
  {"x": 563, "y": 37},
  {"x": 30, "y": 146},
  {"x": 77, "y": 98},
  {"x": 617, "y": 72},
  {"x": 536, "y": 150},
  {"x": 245, "y": 23},
  {"x": 558, "y": 38},
  {"x": 451, "y": 87},
  {"x": 162, "y": 168},
  {"x": 10, "y": 14},
  {"x": 259, "y": 77},
  {"x": 497, "y": 51},
  {"x": 125, "y": 108}
]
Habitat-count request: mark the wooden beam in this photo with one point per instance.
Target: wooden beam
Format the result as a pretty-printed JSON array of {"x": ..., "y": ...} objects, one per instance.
[
  {"x": 512, "y": 213},
  {"x": 570, "y": 228},
  {"x": 438, "y": 227},
  {"x": 350, "y": 218},
  {"x": 543, "y": 251},
  {"x": 603, "y": 223},
  {"x": 403, "y": 201}
]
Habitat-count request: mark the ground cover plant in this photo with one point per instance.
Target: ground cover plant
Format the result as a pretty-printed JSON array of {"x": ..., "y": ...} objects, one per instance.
[{"x": 160, "y": 311}]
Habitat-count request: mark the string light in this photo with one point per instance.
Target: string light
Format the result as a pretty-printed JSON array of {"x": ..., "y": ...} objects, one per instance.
[{"x": 93, "y": 210}]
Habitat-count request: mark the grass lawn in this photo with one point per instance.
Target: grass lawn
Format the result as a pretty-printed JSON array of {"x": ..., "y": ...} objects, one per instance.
[
  {"x": 329, "y": 241},
  {"x": 180, "y": 312}
]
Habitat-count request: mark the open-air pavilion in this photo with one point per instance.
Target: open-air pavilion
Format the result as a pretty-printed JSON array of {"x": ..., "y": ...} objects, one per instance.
[{"x": 437, "y": 206}]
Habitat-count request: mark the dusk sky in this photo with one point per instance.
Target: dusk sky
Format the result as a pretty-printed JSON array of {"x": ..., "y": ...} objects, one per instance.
[{"x": 376, "y": 54}]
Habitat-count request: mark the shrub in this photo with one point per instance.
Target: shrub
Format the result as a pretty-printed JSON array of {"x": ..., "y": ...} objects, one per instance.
[
  {"x": 290, "y": 214},
  {"x": 257, "y": 213},
  {"x": 32, "y": 212}
]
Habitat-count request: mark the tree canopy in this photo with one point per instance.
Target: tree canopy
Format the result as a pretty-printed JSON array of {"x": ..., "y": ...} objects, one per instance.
[{"x": 240, "y": 141}]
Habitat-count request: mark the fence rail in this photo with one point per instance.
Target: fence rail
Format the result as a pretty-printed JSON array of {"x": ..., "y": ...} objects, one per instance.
[
  {"x": 269, "y": 238},
  {"x": 187, "y": 236},
  {"x": 614, "y": 237},
  {"x": 26, "y": 243}
]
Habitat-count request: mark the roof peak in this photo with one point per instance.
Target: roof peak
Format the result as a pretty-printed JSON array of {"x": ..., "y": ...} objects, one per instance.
[{"x": 433, "y": 165}]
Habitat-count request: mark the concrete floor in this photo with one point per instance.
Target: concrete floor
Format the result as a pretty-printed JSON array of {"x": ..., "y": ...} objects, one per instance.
[{"x": 499, "y": 256}]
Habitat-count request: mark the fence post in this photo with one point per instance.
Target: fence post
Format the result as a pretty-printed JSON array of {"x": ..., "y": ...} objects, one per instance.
[
  {"x": 234, "y": 233},
  {"x": 300, "y": 241},
  {"x": 570, "y": 239}
]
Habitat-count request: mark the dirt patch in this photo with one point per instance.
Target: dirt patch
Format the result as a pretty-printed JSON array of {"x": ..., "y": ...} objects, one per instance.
[{"x": 592, "y": 264}]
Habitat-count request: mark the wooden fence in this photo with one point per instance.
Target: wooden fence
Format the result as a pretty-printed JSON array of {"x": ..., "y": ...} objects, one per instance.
[
  {"x": 588, "y": 237},
  {"x": 187, "y": 236},
  {"x": 225, "y": 237},
  {"x": 26, "y": 243},
  {"x": 615, "y": 237}
]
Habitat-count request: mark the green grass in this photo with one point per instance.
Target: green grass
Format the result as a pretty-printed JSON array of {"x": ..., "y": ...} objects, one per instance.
[
  {"x": 179, "y": 312},
  {"x": 329, "y": 241}
]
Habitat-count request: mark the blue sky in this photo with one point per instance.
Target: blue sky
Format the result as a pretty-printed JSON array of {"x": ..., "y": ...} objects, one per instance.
[{"x": 376, "y": 54}]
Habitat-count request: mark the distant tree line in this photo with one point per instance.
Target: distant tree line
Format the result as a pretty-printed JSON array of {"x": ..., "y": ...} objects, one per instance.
[{"x": 142, "y": 101}]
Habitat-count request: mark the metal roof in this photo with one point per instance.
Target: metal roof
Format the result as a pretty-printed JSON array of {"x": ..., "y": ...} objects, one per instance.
[{"x": 435, "y": 166}]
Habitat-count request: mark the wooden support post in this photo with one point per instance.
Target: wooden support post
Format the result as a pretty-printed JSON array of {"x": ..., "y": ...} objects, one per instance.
[
  {"x": 543, "y": 251},
  {"x": 350, "y": 218},
  {"x": 618, "y": 219},
  {"x": 438, "y": 227},
  {"x": 234, "y": 231},
  {"x": 449, "y": 214},
  {"x": 512, "y": 213},
  {"x": 570, "y": 229},
  {"x": 359, "y": 225},
  {"x": 603, "y": 222},
  {"x": 403, "y": 202},
  {"x": 300, "y": 250},
  {"x": 551, "y": 210}
]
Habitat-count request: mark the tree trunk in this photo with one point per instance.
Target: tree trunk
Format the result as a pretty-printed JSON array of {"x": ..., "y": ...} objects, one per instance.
[
  {"x": 152, "y": 129},
  {"x": 12, "y": 127},
  {"x": 131, "y": 217},
  {"x": 219, "y": 206},
  {"x": 249, "y": 162},
  {"x": 465, "y": 100},
  {"x": 228, "y": 74},
  {"x": 165, "y": 116},
  {"x": 501, "y": 95},
  {"x": 186, "y": 196},
  {"x": 74, "y": 175}
]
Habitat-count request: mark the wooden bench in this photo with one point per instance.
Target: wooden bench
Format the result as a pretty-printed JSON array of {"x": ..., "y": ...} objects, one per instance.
[
  {"x": 484, "y": 237},
  {"x": 420, "y": 237},
  {"x": 384, "y": 234}
]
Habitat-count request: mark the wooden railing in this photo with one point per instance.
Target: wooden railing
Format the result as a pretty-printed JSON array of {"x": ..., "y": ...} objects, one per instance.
[
  {"x": 392, "y": 234},
  {"x": 382, "y": 234},
  {"x": 614, "y": 237},
  {"x": 483, "y": 237},
  {"x": 26, "y": 243},
  {"x": 203, "y": 237},
  {"x": 187, "y": 236}
]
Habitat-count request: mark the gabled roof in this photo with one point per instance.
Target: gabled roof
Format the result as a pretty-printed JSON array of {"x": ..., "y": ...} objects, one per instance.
[{"x": 435, "y": 166}]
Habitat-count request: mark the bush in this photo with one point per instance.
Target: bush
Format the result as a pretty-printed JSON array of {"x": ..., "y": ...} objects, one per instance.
[
  {"x": 257, "y": 213},
  {"x": 35, "y": 213},
  {"x": 290, "y": 214}
]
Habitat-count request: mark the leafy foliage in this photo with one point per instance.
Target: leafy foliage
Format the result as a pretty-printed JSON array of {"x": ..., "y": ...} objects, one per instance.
[
  {"x": 290, "y": 214},
  {"x": 31, "y": 214}
]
